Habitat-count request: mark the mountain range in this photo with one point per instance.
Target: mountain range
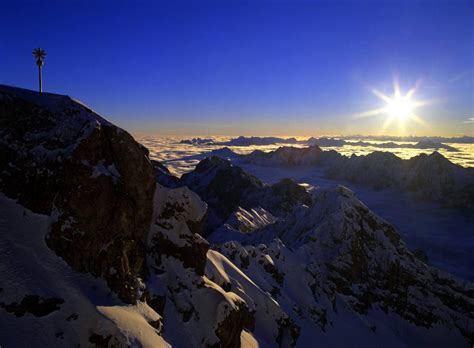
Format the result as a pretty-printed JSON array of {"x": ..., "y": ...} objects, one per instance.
[{"x": 100, "y": 246}]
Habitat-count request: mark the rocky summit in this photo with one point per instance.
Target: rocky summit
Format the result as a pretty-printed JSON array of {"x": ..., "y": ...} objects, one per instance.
[{"x": 59, "y": 158}]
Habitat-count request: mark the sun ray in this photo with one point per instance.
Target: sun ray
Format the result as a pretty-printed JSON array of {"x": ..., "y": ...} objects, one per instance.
[
  {"x": 370, "y": 113},
  {"x": 413, "y": 90},
  {"x": 417, "y": 119},
  {"x": 387, "y": 123},
  {"x": 424, "y": 102},
  {"x": 396, "y": 87},
  {"x": 382, "y": 96}
]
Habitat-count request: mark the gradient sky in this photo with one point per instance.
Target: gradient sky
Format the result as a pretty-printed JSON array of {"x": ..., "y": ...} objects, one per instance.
[{"x": 253, "y": 68}]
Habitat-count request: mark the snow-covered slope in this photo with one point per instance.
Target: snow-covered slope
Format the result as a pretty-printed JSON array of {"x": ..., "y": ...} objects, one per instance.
[
  {"x": 339, "y": 274},
  {"x": 45, "y": 303},
  {"x": 344, "y": 276},
  {"x": 190, "y": 284}
]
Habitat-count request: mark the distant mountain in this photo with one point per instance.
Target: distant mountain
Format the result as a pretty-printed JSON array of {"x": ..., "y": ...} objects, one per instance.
[
  {"x": 436, "y": 139},
  {"x": 197, "y": 141},
  {"x": 432, "y": 177},
  {"x": 424, "y": 144},
  {"x": 249, "y": 141},
  {"x": 326, "y": 142}
]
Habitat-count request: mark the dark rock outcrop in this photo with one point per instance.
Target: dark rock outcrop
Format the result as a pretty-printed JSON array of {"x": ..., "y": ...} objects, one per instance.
[
  {"x": 33, "y": 304},
  {"x": 163, "y": 175},
  {"x": 225, "y": 188},
  {"x": 177, "y": 286},
  {"x": 59, "y": 158}
]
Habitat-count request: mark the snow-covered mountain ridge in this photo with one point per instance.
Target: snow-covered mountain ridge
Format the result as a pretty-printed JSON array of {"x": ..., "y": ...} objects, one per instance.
[
  {"x": 94, "y": 252},
  {"x": 335, "y": 255}
]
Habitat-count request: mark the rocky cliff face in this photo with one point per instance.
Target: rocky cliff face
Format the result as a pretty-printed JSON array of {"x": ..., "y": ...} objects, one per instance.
[
  {"x": 339, "y": 257},
  {"x": 227, "y": 188},
  {"x": 197, "y": 312},
  {"x": 59, "y": 158}
]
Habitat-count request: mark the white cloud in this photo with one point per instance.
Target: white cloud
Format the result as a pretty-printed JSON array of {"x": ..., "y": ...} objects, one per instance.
[{"x": 469, "y": 120}]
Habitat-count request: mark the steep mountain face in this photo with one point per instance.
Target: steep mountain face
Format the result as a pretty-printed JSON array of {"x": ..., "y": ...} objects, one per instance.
[
  {"x": 436, "y": 178},
  {"x": 226, "y": 188},
  {"x": 378, "y": 169},
  {"x": 163, "y": 175},
  {"x": 431, "y": 177},
  {"x": 203, "y": 298},
  {"x": 338, "y": 257},
  {"x": 197, "y": 312},
  {"x": 59, "y": 158}
]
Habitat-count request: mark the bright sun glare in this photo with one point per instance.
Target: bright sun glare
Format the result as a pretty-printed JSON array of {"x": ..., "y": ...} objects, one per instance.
[{"x": 398, "y": 107}]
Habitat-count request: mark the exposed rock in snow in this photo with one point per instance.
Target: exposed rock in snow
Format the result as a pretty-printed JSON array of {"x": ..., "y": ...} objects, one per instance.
[
  {"x": 226, "y": 188},
  {"x": 58, "y": 157},
  {"x": 337, "y": 256},
  {"x": 330, "y": 271},
  {"x": 197, "y": 311},
  {"x": 163, "y": 175},
  {"x": 44, "y": 303}
]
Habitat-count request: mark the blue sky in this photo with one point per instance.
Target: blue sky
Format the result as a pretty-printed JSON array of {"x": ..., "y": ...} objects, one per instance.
[{"x": 256, "y": 67}]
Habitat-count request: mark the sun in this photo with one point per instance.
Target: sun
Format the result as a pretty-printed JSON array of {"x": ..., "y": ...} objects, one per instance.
[
  {"x": 400, "y": 108},
  {"x": 397, "y": 107}
]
